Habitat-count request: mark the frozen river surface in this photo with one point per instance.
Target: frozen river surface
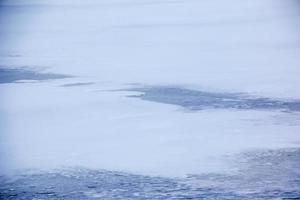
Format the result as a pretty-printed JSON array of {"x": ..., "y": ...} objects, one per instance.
[{"x": 152, "y": 99}]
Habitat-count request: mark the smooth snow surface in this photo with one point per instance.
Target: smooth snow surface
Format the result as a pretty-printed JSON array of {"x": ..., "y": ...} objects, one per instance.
[{"x": 93, "y": 53}]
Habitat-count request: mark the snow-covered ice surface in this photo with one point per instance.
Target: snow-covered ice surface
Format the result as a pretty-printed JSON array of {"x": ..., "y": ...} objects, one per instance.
[{"x": 149, "y": 99}]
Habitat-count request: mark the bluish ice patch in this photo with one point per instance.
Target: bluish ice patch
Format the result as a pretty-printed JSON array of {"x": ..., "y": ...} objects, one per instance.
[
  {"x": 10, "y": 75},
  {"x": 199, "y": 100},
  {"x": 269, "y": 174},
  {"x": 77, "y": 84}
]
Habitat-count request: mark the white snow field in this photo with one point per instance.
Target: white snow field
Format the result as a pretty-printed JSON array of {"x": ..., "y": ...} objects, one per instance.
[{"x": 89, "y": 120}]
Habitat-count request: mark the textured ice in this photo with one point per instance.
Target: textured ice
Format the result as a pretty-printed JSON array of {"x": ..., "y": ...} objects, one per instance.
[
  {"x": 199, "y": 100},
  {"x": 262, "y": 175}
]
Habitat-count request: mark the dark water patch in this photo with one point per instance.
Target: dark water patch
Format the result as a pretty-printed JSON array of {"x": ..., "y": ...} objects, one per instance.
[
  {"x": 269, "y": 174},
  {"x": 77, "y": 84},
  {"x": 199, "y": 100},
  {"x": 14, "y": 75}
]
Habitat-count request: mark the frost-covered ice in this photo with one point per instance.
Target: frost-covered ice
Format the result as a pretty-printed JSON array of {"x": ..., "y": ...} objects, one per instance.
[
  {"x": 261, "y": 175},
  {"x": 92, "y": 55}
]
